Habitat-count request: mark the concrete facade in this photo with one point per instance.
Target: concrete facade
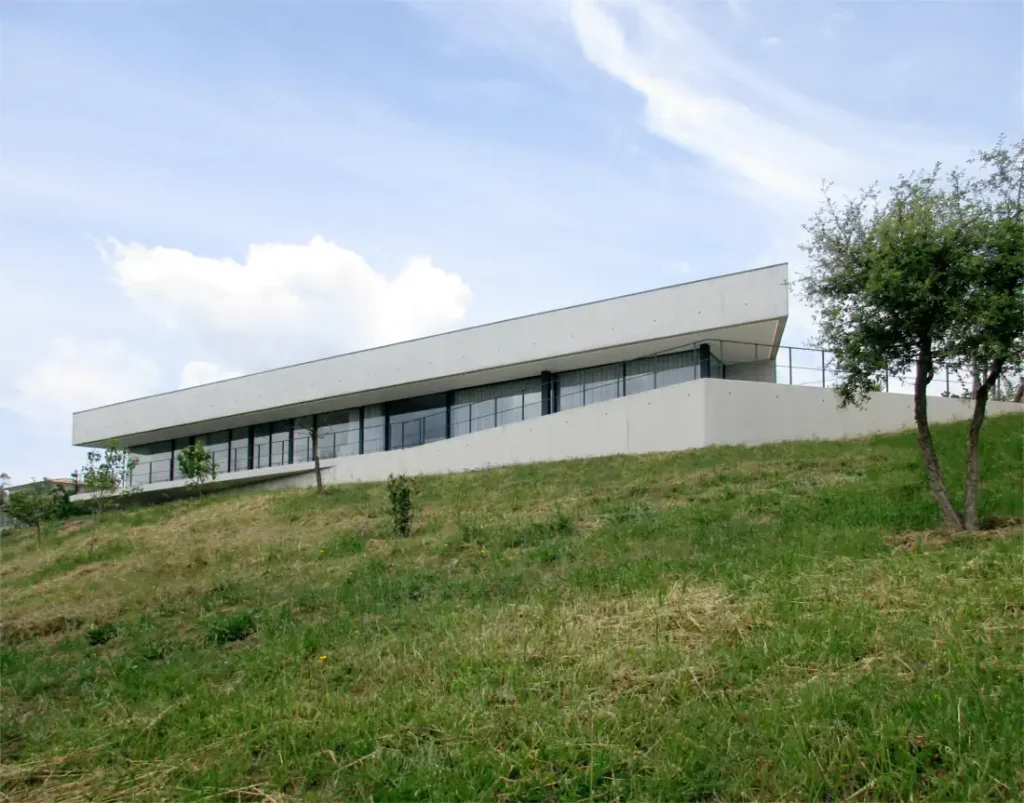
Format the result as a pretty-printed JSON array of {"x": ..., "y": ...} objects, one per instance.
[
  {"x": 748, "y": 307},
  {"x": 690, "y": 415}
]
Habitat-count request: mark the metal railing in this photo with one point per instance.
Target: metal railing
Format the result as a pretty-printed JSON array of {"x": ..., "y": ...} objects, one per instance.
[{"x": 713, "y": 358}]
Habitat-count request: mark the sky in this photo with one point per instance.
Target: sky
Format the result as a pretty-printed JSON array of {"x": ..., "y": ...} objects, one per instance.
[{"x": 193, "y": 190}]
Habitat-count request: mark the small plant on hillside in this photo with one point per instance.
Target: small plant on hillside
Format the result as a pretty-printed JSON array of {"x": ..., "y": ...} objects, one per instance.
[
  {"x": 34, "y": 506},
  {"x": 231, "y": 627},
  {"x": 197, "y": 465},
  {"x": 400, "y": 491},
  {"x": 107, "y": 477}
]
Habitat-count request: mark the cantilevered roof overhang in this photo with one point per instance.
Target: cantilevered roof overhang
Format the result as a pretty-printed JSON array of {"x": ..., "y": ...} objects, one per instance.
[{"x": 750, "y": 307}]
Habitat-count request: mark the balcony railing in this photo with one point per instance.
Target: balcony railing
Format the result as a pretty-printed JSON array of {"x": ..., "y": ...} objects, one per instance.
[{"x": 728, "y": 359}]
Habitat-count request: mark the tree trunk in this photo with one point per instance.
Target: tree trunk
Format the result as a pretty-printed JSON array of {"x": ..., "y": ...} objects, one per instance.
[
  {"x": 973, "y": 476},
  {"x": 319, "y": 477},
  {"x": 39, "y": 534},
  {"x": 924, "y": 439},
  {"x": 1018, "y": 394}
]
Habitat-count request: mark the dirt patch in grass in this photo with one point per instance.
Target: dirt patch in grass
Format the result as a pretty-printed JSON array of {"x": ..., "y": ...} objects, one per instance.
[{"x": 1002, "y": 529}]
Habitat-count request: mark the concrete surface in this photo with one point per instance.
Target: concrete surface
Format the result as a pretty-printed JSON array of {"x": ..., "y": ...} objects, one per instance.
[
  {"x": 690, "y": 415},
  {"x": 751, "y": 306}
]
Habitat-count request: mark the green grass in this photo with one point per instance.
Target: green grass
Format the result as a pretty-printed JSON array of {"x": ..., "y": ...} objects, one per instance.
[{"x": 721, "y": 624}]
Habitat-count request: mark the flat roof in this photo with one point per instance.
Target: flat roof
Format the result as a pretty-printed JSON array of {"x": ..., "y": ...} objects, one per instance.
[{"x": 747, "y": 304}]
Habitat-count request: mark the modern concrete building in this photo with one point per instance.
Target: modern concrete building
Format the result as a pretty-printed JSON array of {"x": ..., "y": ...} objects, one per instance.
[{"x": 673, "y": 368}]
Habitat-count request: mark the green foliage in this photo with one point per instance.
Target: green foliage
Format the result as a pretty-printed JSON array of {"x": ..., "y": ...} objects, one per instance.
[
  {"x": 931, "y": 274},
  {"x": 107, "y": 476},
  {"x": 35, "y": 505},
  {"x": 197, "y": 465},
  {"x": 933, "y": 270},
  {"x": 400, "y": 492},
  {"x": 231, "y": 627},
  {"x": 100, "y": 634},
  {"x": 727, "y": 624}
]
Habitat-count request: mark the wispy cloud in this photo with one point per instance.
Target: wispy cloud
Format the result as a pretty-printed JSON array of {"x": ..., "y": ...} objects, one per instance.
[
  {"x": 771, "y": 41},
  {"x": 778, "y": 143}
]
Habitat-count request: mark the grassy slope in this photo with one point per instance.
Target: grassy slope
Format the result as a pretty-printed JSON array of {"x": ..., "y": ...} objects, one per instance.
[{"x": 726, "y": 623}]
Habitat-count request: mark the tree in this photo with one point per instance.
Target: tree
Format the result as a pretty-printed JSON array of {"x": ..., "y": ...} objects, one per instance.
[
  {"x": 931, "y": 274},
  {"x": 106, "y": 476},
  {"x": 197, "y": 465},
  {"x": 311, "y": 427},
  {"x": 34, "y": 505}
]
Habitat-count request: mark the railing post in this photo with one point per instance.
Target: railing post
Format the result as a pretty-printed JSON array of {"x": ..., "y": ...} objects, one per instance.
[
  {"x": 823, "y": 368},
  {"x": 947, "y": 380},
  {"x": 790, "y": 364}
]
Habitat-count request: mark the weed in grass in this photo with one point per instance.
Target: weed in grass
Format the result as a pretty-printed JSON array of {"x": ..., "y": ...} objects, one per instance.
[
  {"x": 231, "y": 627},
  {"x": 100, "y": 634}
]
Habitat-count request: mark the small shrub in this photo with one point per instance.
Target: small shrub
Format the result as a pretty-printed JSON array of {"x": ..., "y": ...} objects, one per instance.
[
  {"x": 231, "y": 627},
  {"x": 400, "y": 492},
  {"x": 100, "y": 634}
]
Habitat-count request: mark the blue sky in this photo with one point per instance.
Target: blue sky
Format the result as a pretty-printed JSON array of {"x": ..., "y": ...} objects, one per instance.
[{"x": 192, "y": 190}]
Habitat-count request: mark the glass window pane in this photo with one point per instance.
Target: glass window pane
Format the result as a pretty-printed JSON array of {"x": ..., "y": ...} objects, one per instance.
[
  {"x": 460, "y": 419},
  {"x": 671, "y": 369},
  {"x": 261, "y": 446},
  {"x": 639, "y": 376},
  {"x": 240, "y": 449},
  {"x": 302, "y": 451},
  {"x": 419, "y": 420},
  {"x": 216, "y": 444},
  {"x": 179, "y": 444},
  {"x": 602, "y": 383},
  {"x": 510, "y": 406},
  {"x": 280, "y": 443},
  {"x": 153, "y": 463},
  {"x": 570, "y": 390},
  {"x": 482, "y": 415},
  {"x": 373, "y": 428}
]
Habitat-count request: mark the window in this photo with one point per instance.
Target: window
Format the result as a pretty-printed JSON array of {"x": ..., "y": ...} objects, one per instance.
[
  {"x": 240, "y": 449},
  {"x": 589, "y": 386},
  {"x": 261, "y": 446},
  {"x": 179, "y": 444},
  {"x": 216, "y": 444},
  {"x": 339, "y": 433},
  {"x": 480, "y": 408},
  {"x": 661, "y": 371},
  {"x": 281, "y": 443},
  {"x": 373, "y": 428},
  {"x": 413, "y": 422},
  {"x": 154, "y": 463}
]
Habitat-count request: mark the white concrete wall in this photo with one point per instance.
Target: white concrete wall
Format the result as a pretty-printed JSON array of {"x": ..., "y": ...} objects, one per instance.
[
  {"x": 722, "y": 302},
  {"x": 685, "y": 416},
  {"x": 752, "y": 412},
  {"x": 670, "y": 419}
]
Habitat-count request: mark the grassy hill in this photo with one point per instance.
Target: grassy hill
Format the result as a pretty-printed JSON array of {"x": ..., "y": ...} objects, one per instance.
[{"x": 721, "y": 624}]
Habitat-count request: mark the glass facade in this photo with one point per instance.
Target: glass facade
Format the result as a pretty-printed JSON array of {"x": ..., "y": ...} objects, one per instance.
[
  {"x": 413, "y": 422},
  {"x": 407, "y": 423},
  {"x": 153, "y": 463},
  {"x": 480, "y": 408}
]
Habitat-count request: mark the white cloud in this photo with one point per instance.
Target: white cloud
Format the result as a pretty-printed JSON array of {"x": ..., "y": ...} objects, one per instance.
[
  {"x": 286, "y": 300},
  {"x": 767, "y": 153},
  {"x": 200, "y": 372},
  {"x": 771, "y": 41},
  {"x": 778, "y": 143},
  {"x": 75, "y": 374}
]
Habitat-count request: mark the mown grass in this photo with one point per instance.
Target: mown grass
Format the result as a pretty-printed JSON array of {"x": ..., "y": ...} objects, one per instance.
[{"x": 722, "y": 624}]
